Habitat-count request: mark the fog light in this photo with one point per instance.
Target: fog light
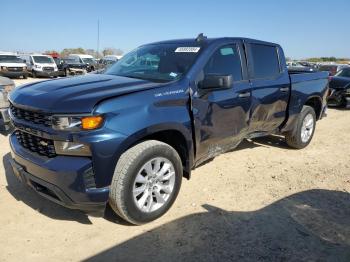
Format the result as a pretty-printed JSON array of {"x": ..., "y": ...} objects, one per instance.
[{"x": 72, "y": 148}]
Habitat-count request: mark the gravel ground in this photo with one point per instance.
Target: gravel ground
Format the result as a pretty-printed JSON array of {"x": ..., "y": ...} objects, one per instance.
[{"x": 261, "y": 202}]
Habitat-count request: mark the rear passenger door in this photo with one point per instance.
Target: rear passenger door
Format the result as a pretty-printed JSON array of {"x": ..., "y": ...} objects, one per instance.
[
  {"x": 221, "y": 116},
  {"x": 269, "y": 87}
]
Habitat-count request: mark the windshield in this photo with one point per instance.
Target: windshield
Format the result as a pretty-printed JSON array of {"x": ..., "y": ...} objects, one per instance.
[
  {"x": 88, "y": 60},
  {"x": 72, "y": 60},
  {"x": 43, "y": 59},
  {"x": 344, "y": 73},
  {"x": 10, "y": 59},
  {"x": 160, "y": 63}
]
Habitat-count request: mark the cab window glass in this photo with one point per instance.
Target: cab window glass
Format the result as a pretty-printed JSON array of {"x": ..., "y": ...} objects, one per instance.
[{"x": 225, "y": 61}]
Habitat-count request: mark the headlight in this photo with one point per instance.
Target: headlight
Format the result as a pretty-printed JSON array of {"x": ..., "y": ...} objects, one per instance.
[
  {"x": 72, "y": 148},
  {"x": 4, "y": 67},
  {"x": 37, "y": 66},
  {"x": 76, "y": 123},
  {"x": 24, "y": 68}
]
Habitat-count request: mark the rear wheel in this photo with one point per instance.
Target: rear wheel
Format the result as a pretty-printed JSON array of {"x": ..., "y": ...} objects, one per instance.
[
  {"x": 146, "y": 182},
  {"x": 302, "y": 134}
]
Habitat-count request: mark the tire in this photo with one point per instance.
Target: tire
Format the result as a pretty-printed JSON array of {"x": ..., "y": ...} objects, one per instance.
[
  {"x": 131, "y": 165},
  {"x": 295, "y": 138},
  {"x": 34, "y": 74},
  {"x": 25, "y": 77}
]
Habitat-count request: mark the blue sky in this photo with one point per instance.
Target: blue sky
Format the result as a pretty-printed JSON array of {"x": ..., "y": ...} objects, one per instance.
[{"x": 303, "y": 28}]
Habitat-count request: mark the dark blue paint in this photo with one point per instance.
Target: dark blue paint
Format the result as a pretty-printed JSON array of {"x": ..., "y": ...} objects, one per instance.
[{"x": 211, "y": 121}]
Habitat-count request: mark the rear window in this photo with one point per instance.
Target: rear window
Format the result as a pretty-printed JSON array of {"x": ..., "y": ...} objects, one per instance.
[
  {"x": 344, "y": 73},
  {"x": 264, "y": 61}
]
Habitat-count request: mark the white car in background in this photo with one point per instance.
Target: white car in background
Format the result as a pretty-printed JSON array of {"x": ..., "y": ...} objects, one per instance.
[
  {"x": 12, "y": 65},
  {"x": 40, "y": 65}
]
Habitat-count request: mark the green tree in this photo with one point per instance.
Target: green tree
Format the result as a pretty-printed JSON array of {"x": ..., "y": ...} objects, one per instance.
[{"x": 112, "y": 51}]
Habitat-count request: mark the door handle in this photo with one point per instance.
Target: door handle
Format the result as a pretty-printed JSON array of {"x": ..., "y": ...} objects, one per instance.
[
  {"x": 284, "y": 89},
  {"x": 244, "y": 94}
]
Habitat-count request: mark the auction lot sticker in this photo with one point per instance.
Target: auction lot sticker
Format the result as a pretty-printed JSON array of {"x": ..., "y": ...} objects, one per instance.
[{"x": 187, "y": 49}]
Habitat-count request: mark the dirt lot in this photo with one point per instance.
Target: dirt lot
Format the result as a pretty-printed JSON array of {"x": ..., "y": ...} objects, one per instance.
[{"x": 262, "y": 202}]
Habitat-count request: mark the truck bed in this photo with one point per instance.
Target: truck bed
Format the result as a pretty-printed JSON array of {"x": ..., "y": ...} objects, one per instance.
[
  {"x": 303, "y": 87},
  {"x": 297, "y": 77}
]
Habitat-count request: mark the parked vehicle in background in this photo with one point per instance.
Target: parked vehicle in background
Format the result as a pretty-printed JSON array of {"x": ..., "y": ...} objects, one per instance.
[
  {"x": 298, "y": 67},
  {"x": 339, "y": 87},
  {"x": 107, "y": 61},
  {"x": 70, "y": 66},
  {"x": 332, "y": 68},
  {"x": 128, "y": 136},
  {"x": 11, "y": 65},
  {"x": 88, "y": 60},
  {"x": 40, "y": 65},
  {"x": 6, "y": 86}
]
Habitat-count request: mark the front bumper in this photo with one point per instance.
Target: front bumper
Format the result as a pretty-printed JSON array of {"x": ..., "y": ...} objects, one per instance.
[
  {"x": 5, "y": 122},
  {"x": 339, "y": 97},
  {"x": 46, "y": 73},
  {"x": 13, "y": 73},
  {"x": 64, "y": 180},
  {"x": 77, "y": 70}
]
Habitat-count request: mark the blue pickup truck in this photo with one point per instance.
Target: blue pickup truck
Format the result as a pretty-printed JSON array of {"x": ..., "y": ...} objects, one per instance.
[{"x": 128, "y": 136}]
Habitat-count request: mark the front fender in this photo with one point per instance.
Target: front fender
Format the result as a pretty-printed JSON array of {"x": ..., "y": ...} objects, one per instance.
[{"x": 132, "y": 118}]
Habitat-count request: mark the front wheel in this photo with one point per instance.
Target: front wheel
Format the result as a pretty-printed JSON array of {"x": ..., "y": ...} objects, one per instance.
[
  {"x": 146, "y": 182},
  {"x": 304, "y": 130}
]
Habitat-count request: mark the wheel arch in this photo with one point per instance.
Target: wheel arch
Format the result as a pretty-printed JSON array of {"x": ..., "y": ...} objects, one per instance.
[
  {"x": 177, "y": 137},
  {"x": 316, "y": 103}
]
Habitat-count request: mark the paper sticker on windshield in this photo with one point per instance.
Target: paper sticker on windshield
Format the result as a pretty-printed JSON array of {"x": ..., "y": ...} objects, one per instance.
[{"x": 187, "y": 49}]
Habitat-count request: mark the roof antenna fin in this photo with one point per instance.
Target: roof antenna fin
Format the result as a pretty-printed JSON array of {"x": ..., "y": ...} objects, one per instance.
[{"x": 201, "y": 37}]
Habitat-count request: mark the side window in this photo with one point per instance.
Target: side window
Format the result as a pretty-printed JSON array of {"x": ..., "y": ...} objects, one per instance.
[
  {"x": 264, "y": 61},
  {"x": 225, "y": 61}
]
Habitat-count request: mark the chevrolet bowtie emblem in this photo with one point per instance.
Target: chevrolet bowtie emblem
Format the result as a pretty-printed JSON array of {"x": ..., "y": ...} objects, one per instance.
[{"x": 43, "y": 143}]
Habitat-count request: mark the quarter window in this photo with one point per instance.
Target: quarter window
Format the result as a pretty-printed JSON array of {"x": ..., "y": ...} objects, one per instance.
[{"x": 225, "y": 61}]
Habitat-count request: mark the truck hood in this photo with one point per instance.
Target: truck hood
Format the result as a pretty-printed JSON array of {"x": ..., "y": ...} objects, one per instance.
[
  {"x": 76, "y": 94},
  {"x": 339, "y": 82}
]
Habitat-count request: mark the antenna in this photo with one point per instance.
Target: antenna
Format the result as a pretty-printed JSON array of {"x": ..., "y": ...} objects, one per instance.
[{"x": 201, "y": 37}]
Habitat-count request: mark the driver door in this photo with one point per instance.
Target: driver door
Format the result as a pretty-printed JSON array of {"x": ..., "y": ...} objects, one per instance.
[{"x": 221, "y": 116}]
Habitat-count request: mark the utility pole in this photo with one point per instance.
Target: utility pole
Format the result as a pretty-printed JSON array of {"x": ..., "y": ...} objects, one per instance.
[{"x": 98, "y": 36}]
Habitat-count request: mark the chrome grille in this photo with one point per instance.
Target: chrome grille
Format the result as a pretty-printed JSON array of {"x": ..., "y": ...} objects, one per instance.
[
  {"x": 48, "y": 68},
  {"x": 36, "y": 144},
  {"x": 31, "y": 116},
  {"x": 15, "y": 69}
]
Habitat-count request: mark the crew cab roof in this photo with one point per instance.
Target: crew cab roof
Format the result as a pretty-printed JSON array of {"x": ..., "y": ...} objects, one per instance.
[{"x": 211, "y": 40}]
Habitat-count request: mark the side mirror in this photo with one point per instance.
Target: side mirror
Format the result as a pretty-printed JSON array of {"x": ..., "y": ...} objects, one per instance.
[{"x": 216, "y": 82}]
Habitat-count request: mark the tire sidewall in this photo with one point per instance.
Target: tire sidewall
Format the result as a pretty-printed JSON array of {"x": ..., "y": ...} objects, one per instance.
[
  {"x": 306, "y": 111},
  {"x": 133, "y": 211}
]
